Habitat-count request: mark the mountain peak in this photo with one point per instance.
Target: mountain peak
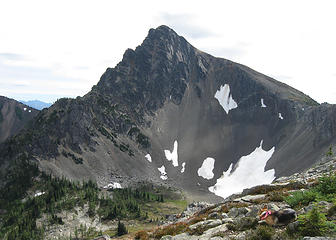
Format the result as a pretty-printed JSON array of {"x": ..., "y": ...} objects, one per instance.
[{"x": 165, "y": 38}]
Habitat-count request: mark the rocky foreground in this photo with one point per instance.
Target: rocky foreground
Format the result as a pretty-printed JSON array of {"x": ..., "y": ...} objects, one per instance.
[{"x": 238, "y": 216}]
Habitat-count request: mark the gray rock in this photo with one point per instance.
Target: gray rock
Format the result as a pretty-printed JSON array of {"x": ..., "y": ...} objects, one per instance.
[
  {"x": 213, "y": 231},
  {"x": 233, "y": 212},
  {"x": 251, "y": 198},
  {"x": 185, "y": 236},
  {"x": 214, "y": 215},
  {"x": 323, "y": 206},
  {"x": 167, "y": 237},
  {"x": 242, "y": 211},
  {"x": 253, "y": 212},
  {"x": 273, "y": 207},
  {"x": 214, "y": 223},
  {"x": 224, "y": 215},
  {"x": 241, "y": 236},
  {"x": 227, "y": 220},
  {"x": 293, "y": 227},
  {"x": 208, "y": 223}
]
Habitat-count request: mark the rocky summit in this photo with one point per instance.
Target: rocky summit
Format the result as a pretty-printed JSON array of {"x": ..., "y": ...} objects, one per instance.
[{"x": 171, "y": 114}]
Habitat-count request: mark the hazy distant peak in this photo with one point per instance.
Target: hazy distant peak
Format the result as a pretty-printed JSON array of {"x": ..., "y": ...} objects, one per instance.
[{"x": 37, "y": 104}]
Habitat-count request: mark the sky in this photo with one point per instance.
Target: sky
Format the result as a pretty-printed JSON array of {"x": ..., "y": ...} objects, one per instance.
[{"x": 54, "y": 49}]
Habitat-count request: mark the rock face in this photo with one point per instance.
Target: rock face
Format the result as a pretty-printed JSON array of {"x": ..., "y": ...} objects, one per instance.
[
  {"x": 166, "y": 92},
  {"x": 13, "y": 117}
]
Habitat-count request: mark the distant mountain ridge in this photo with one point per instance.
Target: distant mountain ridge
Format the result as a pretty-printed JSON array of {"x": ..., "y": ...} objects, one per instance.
[
  {"x": 37, "y": 104},
  {"x": 196, "y": 117}
]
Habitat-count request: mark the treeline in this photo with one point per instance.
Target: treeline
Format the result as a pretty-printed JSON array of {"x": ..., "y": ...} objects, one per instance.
[{"x": 21, "y": 210}]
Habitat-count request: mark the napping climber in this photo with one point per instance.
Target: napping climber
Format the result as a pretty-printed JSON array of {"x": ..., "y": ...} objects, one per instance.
[{"x": 281, "y": 217}]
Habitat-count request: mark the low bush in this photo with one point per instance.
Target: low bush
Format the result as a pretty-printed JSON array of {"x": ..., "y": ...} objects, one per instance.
[
  {"x": 262, "y": 233},
  {"x": 172, "y": 230},
  {"x": 314, "y": 223},
  {"x": 301, "y": 198},
  {"x": 141, "y": 235}
]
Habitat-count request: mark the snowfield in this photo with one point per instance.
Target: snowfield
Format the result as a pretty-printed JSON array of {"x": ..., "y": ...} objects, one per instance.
[
  {"x": 249, "y": 171},
  {"x": 149, "y": 158},
  {"x": 38, "y": 194},
  {"x": 112, "y": 185},
  {"x": 163, "y": 173},
  {"x": 205, "y": 171},
  {"x": 225, "y": 98},
  {"x": 172, "y": 156},
  {"x": 262, "y": 103},
  {"x": 183, "y": 167}
]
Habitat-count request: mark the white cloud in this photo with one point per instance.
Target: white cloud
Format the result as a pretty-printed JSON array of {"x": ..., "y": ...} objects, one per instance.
[{"x": 80, "y": 39}]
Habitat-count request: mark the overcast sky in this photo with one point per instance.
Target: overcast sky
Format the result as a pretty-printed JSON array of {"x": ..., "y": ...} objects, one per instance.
[{"x": 54, "y": 49}]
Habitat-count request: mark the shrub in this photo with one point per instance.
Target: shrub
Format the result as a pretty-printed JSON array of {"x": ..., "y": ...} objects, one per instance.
[
  {"x": 327, "y": 185},
  {"x": 121, "y": 229},
  {"x": 314, "y": 223},
  {"x": 332, "y": 210},
  {"x": 141, "y": 235},
  {"x": 262, "y": 233},
  {"x": 172, "y": 230},
  {"x": 276, "y": 196},
  {"x": 301, "y": 198}
]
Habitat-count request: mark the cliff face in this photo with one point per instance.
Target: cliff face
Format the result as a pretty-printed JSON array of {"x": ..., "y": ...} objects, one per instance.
[
  {"x": 169, "y": 113},
  {"x": 13, "y": 117}
]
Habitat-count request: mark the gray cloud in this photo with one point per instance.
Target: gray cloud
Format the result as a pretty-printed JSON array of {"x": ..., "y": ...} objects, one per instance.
[{"x": 183, "y": 24}]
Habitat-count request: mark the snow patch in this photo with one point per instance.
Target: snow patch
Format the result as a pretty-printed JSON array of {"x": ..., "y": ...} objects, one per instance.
[
  {"x": 206, "y": 169},
  {"x": 280, "y": 116},
  {"x": 29, "y": 111},
  {"x": 172, "y": 156},
  {"x": 162, "y": 170},
  {"x": 112, "y": 185},
  {"x": 149, "y": 158},
  {"x": 38, "y": 194},
  {"x": 262, "y": 103},
  {"x": 225, "y": 98},
  {"x": 24, "y": 109},
  {"x": 250, "y": 171},
  {"x": 183, "y": 167}
]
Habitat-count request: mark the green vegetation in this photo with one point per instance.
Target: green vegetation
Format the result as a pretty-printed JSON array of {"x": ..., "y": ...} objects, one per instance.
[
  {"x": 330, "y": 152},
  {"x": 262, "y": 233},
  {"x": 109, "y": 136},
  {"x": 324, "y": 190},
  {"x": 140, "y": 138},
  {"x": 121, "y": 229},
  {"x": 22, "y": 206},
  {"x": 314, "y": 223},
  {"x": 301, "y": 198},
  {"x": 52, "y": 117},
  {"x": 77, "y": 160}
]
